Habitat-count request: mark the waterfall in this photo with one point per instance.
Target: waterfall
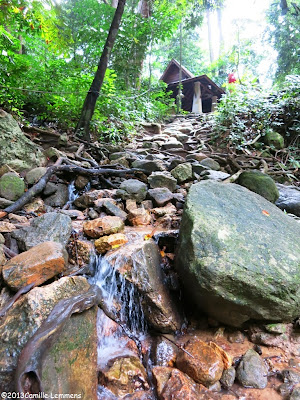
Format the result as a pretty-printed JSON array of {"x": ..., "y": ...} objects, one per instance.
[{"x": 123, "y": 303}]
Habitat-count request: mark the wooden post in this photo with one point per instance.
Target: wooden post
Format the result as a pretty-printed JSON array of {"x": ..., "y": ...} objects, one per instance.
[
  {"x": 214, "y": 101},
  {"x": 197, "y": 101}
]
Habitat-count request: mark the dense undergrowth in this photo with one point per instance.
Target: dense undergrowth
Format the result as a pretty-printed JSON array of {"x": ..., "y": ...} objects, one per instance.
[{"x": 247, "y": 113}]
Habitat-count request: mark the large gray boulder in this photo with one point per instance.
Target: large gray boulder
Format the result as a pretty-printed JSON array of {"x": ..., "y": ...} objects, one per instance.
[
  {"x": 15, "y": 149},
  {"x": 51, "y": 226},
  {"x": 239, "y": 255}
]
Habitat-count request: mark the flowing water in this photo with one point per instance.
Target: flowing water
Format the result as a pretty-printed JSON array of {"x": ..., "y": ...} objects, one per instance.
[{"x": 122, "y": 302}]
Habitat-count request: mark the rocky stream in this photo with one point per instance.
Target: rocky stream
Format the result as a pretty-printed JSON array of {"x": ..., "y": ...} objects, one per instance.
[{"x": 157, "y": 269}]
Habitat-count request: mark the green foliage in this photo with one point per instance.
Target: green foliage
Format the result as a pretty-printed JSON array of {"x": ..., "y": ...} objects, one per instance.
[
  {"x": 284, "y": 35},
  {"x": 248, "y": 111}
]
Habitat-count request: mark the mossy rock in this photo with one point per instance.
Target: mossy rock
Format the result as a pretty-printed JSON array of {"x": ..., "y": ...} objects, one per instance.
[
  {"x": 259, "y": 183},
  {"x": 16, "y": 150},
  {"x": 11, "y": 186},
  {"x": 273, "y": 138}
]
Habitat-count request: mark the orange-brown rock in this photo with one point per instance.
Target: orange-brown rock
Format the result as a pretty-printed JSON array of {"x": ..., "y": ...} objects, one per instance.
[
  {"x": 36, "y": 265},
  {"x": 127, "y": 375},
  {"x": 6, "y": 227},
  {"x": 36, "y": 206},
  {"x": 139, "y": 216},
  {"x": 106, "y": 243},
  {"x": 205, "y": 366},
  {"x": 174, "y": 384},
  {"x": 103, "y": 226},
  {"x": 80, "y": 251},
  {"x": 227, "y": 360}
]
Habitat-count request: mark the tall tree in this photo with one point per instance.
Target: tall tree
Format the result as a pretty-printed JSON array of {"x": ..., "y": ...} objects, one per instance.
[
  {"x": 284, "y": 34},
  {"x": 88, "y": 108}
]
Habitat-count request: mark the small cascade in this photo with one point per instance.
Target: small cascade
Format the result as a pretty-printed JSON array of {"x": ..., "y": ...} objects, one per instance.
[
  {"x": 74, "y": 193},
  {"x": 122, "y": 303}
]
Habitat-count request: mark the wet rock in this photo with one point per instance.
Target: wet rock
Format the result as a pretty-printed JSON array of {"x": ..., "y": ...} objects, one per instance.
[
  {"x": 52, "y": 226},
  {"x": 168, "y": 209},
  {"x": 2, "y": 257},
  {"x": 183, "y": 172},
  {"x": 216, "y": 255},
  {"x": 87, "y": 199},
  {"x": 290, "y": 376},
  {"x": 103, "y": 226},
  {"x": 6, "y": 227},
  {"x": 81, "y": 182},
  {"x": 180, "y": 136},
  {"x": 11, "y": 185},
  {"x": 215, "y": 175},
  {"x": 259, "y": 183},
  {"x": 25, "y": 317},
  {"x": 295, "y": 393},
  {"x": 174, "y": 384},
  {"x": 127, "y": 375},
  {"x": 149, "y": 166},
  {"x": 277, "y": 328},
  {"x": 196, "y": 157},
  {"x": 162, "y": 180},
  {"x": 71, "y": 363},
  {"x": 140, "y": 395},
  {"x": 132, "y": 189},
  {"x": 274, "y": 139},
  {"x": 18, "y": 219},
  {"x": 100, "y": 203},
  {"x": 259, "y": 336},
  {"x": 106, "y": 243},
  {"x": 121, "y": 161},
  {"x": 80, "y": 252},
  {"x": 216, "y": 387},
  {"x": 93, "y": 214},
  {"x": 210, "y": 163},
  {"x": 228, "y": 377},
  {"x": 199, "y": 169},
  {"x": 139, "y": 217},
  {"x": 50, "y": 188},
  {"x": 59, "y": 198},
  {"x": 16, "y": 150},
  {"x": 5, "y": 203},
  {"x": 37, "y": 205},
  {"x": 236, "y": 337},
  {"x": 147, "y": 204},
  {"x": 160, "y": 196},
  {"x": 289, "y": 199},
  {"x": 112, "y": 209},
  {"x": 206, "y": 366},
  {"x": 36, "y": 265},
  {"x": 285, "y": 389},
  {"x": 252, "y": 372},
  {"x": 172, "y": 143},
  {"x": 140, "y": 264},
  {"x": 35, "y": 174}
]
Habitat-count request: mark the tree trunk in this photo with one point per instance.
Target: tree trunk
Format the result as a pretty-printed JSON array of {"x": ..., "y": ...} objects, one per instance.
[
  {"x": 220, "y": 28},
  {"x": 284, "y": 7},
  {"x": 114, "y": 3},
  {"x": 88, "y": 108},
  {"x": 210, "y": 44}
]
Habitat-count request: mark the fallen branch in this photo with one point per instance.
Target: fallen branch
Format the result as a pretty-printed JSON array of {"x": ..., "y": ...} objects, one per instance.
[
  {"x": 41, "y": 131},
  {"x": 57, "y": 167},
  {"x": 31, "y": 358}
]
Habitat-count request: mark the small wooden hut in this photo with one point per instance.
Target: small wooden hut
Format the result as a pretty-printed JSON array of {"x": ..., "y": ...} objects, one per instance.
[{"x": 200, "y": 94}]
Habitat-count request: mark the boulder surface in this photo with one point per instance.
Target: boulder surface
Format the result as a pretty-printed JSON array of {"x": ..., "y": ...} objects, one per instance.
[{"x": 239, "y": 255}]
